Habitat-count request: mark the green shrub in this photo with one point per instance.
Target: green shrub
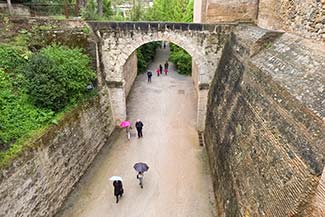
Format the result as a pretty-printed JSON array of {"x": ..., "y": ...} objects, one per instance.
[
  {"x": 10, "y": 59},
  {"x": 181, "y": 59},
  {"x": 18, "y": 116},
  {"x": 57, "y": 76},
  {"x": 146, "y": 54}
]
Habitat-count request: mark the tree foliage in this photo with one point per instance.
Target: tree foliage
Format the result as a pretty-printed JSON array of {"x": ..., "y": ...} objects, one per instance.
[
  {"x": 145, "y": 55},
  {"x": 171, "y": 10},
  {"x": 181, "y": 59},
  {"x": 57, "y": 76},
  {"x": 91, "y": 12}
]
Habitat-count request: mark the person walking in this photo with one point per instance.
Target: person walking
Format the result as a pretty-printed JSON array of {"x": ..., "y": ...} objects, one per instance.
[
  {"x": 140, "y": 177},
  {"x": 166, "y": 71},
  {"x": 158, "y": 72},
  {"x": 149, "y": 74},
  {"x": 160, "y": 69},
  {"x": 166, "y": 64},
  {"x": 128, "y": 132},
  {"x": 118, "y": 189},
  {"x": 139, "y": 126}
]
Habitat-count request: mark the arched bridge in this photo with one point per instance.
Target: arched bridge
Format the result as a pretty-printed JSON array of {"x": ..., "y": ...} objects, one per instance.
[{"x": 118, "y": 40}]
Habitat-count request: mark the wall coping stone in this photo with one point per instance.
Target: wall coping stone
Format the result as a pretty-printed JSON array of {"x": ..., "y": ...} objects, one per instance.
[{"x": 158, "y": 26}]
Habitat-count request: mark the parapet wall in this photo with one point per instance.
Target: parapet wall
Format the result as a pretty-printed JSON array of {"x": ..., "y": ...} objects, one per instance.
[
  {"x": 265, "y": 129},
  {"x": 37, "y": 183}
]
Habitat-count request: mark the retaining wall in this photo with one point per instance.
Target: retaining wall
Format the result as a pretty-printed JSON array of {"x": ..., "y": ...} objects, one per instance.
[
  {"x": 37, "y": 183},
  {"x": 265, "y": 129}
]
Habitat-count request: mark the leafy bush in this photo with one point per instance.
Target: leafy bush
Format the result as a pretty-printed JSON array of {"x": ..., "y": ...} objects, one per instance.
[
  {"x": 57, "y": 76},
  {"x": 10, "y": 59},
  {"x": 17, "y": 117},
  {"x": 145, "y": 55},
  {"x": 181, "y": 59}
]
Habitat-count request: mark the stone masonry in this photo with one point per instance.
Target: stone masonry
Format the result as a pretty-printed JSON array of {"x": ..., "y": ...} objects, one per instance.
[
  {"x": 265, "y": 126},
  {"x": 37, "y": 183},
  {"x": 117, "y": 41},
  {"x": 303, "y": 17},
  {"x": 130, "y": 71},
  {"x": 306, "y": 18},
  {"x": 260, "y": 104}
]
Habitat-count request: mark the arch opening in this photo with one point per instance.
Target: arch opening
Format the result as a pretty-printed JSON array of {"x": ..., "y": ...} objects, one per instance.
[{"x": 129, "y": 72}]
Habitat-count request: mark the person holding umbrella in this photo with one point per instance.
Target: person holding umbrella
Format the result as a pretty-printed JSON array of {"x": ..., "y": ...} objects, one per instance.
[
  {"x": 118, "y": 187},
  {"x": 140, "y": 177},
  {"x": 127, "y": 126},
  {"x": 141, "y": 168}
]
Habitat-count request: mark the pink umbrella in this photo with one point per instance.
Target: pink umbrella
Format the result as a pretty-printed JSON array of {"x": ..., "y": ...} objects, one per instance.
[{"x": 125, "y": 124}]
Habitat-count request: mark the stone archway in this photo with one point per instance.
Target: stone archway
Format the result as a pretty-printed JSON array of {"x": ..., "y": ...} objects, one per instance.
[{"x": 117, "y": 41}]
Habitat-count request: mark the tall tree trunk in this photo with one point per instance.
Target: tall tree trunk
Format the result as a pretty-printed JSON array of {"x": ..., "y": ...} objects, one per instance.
[
  {"x": 100, "y": 7},
  {"x": 66, "y": 9},
  {"x": 10, "y": 8},
  {"x": 77, "y": 8}
]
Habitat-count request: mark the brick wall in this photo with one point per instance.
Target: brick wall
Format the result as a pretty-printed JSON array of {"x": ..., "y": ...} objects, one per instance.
[
  {"x": 306, "y": 18},
  {"x": 264, "y": 129},
  {"x": 212, "y": 11}
]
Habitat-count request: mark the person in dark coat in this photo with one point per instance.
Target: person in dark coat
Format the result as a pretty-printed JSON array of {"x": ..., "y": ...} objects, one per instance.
[
  {"x": 149, "y": 74},
  {"x": 118, "y": 189},
  {"x": 166, "y": 65},
  {"x": 160, "y": 69},
  {"x": 139, "y": 125}
]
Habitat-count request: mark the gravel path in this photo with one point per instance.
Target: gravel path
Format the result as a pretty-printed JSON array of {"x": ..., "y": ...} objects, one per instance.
[{"x": 178, "y": 183}]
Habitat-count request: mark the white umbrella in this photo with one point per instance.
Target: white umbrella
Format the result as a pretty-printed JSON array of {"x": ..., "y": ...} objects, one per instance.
[{"x": 116, "y": 178}]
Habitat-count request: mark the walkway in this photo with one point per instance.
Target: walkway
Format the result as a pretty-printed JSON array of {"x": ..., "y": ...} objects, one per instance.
[{"x": 177, "y": 184}]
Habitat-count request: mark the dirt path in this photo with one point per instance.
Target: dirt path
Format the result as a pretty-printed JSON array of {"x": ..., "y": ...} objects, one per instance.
[{"x": 177, "y": 184}]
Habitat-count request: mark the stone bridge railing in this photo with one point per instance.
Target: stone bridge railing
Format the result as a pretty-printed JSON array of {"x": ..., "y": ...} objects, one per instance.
[{"x": 158, "y": 26}]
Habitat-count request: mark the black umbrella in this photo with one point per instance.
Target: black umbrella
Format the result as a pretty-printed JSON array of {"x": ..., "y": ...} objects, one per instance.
[{"x": 141, "y": 167}]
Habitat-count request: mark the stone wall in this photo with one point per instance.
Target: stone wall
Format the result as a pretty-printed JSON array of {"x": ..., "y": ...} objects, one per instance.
[
  {"x": 306, "y": 18},
  {"x": 264, "y": 129},
  {"x": 18, "y": 9},
  {"x": 130, "y": 70},
  {"x": 212, "y": 11},
  {"x": 37, "y": 183}
]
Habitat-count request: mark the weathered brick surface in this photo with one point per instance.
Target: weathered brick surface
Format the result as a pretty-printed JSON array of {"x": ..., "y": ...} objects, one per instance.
[
  {"x": 306, "y": 18},
  {"x": 37, "y": 183},
  {"x": 264, "y": 142},
  {"x": 231, "y": 10}
]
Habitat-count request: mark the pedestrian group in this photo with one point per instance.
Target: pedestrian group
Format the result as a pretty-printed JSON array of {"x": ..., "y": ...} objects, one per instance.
[{"x": 139, "y": 167}]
